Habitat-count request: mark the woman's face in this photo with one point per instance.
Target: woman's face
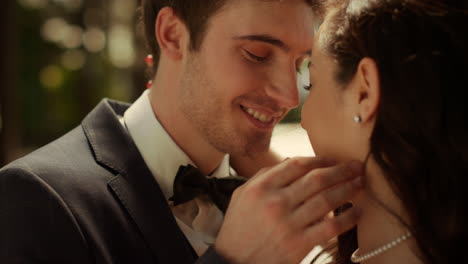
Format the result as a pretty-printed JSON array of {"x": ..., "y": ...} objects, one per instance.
[{"x": 327, "y": 114}]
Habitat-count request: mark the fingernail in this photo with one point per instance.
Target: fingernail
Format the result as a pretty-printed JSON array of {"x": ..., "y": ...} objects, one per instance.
[{"x": 355, "y": 167}]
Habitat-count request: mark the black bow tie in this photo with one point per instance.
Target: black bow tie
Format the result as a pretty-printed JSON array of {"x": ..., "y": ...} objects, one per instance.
[{"x": 190, "y": 183}]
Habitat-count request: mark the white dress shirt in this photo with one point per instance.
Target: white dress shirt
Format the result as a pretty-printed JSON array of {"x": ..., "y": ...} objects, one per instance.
[{"x": 199, "y": 219}]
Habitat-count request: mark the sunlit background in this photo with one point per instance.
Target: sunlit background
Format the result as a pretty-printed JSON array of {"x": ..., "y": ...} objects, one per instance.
[{"x": 59, "y": 58}]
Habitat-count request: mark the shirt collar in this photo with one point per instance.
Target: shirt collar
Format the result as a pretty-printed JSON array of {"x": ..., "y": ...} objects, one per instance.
[{"x": 159, "y": 151}]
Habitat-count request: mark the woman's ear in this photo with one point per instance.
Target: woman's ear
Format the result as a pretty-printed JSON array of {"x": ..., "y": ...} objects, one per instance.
[
  {"x": 171, "y": 34},
  {"x": 369, "y": 89}
]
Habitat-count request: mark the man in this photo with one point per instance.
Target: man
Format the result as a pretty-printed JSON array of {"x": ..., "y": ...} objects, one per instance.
[{"x": 105, "y": 192}]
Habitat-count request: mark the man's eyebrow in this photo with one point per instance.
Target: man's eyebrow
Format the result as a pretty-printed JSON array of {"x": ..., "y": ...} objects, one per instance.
[{"x": 267, "y": 39}]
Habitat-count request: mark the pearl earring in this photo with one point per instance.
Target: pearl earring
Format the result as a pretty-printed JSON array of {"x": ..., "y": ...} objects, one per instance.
[{"x": 357, "y": 119}]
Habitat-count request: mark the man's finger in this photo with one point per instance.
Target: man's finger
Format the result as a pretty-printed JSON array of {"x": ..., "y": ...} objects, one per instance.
[
  {"x": 320, "y": 179},
  {"x": 324, "y": 202},
  {"x": 331, "y": 227},
  {"x": 290, "y": 170}
]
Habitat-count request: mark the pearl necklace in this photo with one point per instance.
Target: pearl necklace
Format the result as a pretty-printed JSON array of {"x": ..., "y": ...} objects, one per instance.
[{"x": 356, "y": 258}]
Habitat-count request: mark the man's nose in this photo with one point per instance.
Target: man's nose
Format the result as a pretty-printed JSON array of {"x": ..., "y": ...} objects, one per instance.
[{"x": 283, "y": 89}]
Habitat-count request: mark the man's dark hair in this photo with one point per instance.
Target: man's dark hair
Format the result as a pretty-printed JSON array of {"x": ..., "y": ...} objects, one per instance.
[{"x": 194, "y": 13}]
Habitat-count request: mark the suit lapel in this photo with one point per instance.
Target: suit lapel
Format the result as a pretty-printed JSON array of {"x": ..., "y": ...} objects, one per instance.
[{"x": 134, "y": 186}]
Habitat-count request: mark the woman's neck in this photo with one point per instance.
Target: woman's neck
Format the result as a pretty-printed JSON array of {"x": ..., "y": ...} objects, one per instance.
[{"x": 377, "y": 225}]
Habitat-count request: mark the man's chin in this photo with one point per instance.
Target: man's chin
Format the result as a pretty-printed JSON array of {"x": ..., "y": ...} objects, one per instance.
[
  {"x": 258, "y": 147},
  {"x": 247, "y": 145}
]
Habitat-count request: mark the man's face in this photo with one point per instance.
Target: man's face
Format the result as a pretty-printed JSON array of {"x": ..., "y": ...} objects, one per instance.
[{"x": 243, "y": 80}]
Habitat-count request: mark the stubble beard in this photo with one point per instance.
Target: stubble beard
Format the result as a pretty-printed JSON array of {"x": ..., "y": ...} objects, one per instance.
[{"x": 203, "y": 106}]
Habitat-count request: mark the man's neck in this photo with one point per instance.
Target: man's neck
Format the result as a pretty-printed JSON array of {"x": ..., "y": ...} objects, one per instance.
[{"x": 185, "y": 135}]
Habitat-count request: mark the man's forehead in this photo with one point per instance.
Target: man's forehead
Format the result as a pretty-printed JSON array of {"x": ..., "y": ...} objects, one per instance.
[
  {"x": 273, "y": 1},
  {"x": 259, "y": 3},
  {"x": 266, "y": 13},
  {"x": 285, "y": 26}
]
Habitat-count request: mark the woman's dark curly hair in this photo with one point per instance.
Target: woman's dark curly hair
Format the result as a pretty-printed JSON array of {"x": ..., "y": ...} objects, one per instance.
[{"x": 420, "y": 139}]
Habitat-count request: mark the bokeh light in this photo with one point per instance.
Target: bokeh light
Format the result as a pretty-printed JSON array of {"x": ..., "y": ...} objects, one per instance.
[
  {"x": 94, "y": 39},
  {"x": 33, "y": 4},
  {"x": 120, "y": 9},
  {"x": 63, "y": 51},
  {"x": 73, "y": 37},
  {"x": 70, "y": 5},
  {"x": 73, "y": 59},
  {"x": 54, "y": 29},
  {"x": 51, "y": 77},
  {"x": 121, "y": 50}
]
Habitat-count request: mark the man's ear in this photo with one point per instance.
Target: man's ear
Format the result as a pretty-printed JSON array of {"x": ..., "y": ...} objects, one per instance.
[
  {"x": 369, "y": 89},
  {"x": 171, "y": 34}
]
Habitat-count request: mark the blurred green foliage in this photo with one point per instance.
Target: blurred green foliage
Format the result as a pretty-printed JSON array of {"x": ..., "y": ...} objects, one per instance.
[{"x": 53, "y": 98}]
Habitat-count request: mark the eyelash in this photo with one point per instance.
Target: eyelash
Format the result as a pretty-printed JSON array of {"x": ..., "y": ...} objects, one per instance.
[
  {"x": 255, "y": 57},
  {"x": 264, "y": 59},
  {"x": 308, "y": 87}
]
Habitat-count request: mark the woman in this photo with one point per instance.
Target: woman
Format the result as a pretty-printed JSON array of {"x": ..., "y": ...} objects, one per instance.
[{"x": 388, "y": 80}]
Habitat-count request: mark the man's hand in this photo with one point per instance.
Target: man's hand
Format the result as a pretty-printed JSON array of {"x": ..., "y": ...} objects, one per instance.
[{"x": 279, "y": 215}]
